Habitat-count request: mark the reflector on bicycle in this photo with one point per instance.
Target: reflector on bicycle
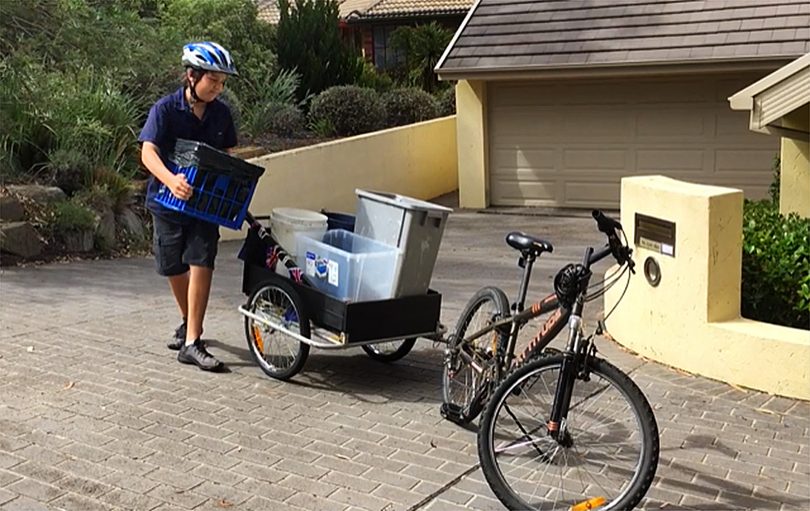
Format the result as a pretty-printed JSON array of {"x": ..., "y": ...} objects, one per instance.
[
  {"x": 257, "y": 336},
  {"x": 586, "y": 505}
]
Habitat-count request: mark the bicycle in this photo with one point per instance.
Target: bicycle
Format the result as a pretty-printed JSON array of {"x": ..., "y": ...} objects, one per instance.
[{"x": 605, "y": 454}]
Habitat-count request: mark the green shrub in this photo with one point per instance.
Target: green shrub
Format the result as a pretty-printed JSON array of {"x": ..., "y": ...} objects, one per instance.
[
  {"x": 286, "y": 120},
  {"x": 280, "y": 91},
  {"x": 308, "y": 39},
  {"x": 409, "y": 105},
  {"x": 72, "y": 216},
  {"x": 349, "y": 109},
  {"x": 371, "y": 78},
  {"x": 776, "y": 170},
  {"x": 422, "y": 46},
  {"x": 69, "y": 169},
  {"x": 230, "y": 98},
  {"x": 322, "y": 128},
  {"x": 234, "y": 25},
  {"x": 775, "y": 266},
  {"x": 447, "y": 101},
  {"x": 112, "y": 185}
]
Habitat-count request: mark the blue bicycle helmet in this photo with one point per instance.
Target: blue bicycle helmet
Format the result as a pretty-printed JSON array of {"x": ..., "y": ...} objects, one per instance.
[{"x": 208, "y": 56}]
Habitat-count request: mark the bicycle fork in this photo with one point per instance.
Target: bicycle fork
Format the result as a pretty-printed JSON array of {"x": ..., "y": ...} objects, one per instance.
[{"x": 565, "y": 381}]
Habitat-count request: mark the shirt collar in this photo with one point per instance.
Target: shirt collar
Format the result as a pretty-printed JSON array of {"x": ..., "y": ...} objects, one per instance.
[{"x": 179, "y": 99}]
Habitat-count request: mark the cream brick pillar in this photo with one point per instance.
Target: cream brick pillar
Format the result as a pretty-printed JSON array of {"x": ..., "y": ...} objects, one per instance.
[
  {"x": 471, "y": 144},
  {"x": 691, "y": 319}
]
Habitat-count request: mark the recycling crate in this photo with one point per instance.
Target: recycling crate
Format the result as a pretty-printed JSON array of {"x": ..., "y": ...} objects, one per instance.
[{"x": 223, "y": 184}]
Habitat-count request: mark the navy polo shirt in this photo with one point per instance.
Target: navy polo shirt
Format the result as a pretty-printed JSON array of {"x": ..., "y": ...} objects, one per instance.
[{"x": 171, "y": 118}]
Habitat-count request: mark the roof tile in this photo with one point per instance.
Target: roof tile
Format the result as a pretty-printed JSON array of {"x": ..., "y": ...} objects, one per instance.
[{"x": 554, "y": 33}]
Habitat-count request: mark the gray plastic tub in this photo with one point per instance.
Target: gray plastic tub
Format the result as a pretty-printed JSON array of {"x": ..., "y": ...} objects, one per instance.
[{"x": 414, "y": 226}]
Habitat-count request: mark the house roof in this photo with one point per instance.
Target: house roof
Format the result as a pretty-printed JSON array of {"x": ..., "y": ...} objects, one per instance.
[
  {"x": 378, "y": 9},
  {"x": 773, "y": 97},
  {"x": 267, "y": 10},
  {"x": 408, "y": 8},
  {"x": 532, "y": 35}
]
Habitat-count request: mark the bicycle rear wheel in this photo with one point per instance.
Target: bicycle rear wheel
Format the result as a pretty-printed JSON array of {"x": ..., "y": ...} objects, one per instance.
[
  {"x": 606, "y": 460},
  {"x": 465, "y": 379}
]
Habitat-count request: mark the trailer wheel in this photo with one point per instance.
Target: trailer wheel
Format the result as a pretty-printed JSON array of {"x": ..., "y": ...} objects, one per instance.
[
  {"x": 278, "y": 354},
  {"x": 389, "y": 351}
]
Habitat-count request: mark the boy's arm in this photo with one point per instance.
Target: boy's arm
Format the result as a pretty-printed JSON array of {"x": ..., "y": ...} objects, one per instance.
[{"x": 150, "y": 156}]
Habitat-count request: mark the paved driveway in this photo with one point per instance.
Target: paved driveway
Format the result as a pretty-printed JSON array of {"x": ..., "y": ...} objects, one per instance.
[{"x": 95, "y": 413}]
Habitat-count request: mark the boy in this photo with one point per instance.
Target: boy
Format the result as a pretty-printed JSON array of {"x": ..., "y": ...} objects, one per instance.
[{"x": 185, "y": 247}]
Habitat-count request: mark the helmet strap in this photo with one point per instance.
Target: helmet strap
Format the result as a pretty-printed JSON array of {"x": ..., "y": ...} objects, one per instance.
[{"x": 192, "y": 85}]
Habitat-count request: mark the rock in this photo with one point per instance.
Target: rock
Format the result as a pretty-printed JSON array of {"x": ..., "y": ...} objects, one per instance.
[
  {"x": 105, "y": 229},
  {"x": 78, "y": 241},
  {"x": 131, "y": 224},
  {"x": 10, "y": 209},
  {"x": 20, "y": 238},
  {"x": 38, "y": 193}
]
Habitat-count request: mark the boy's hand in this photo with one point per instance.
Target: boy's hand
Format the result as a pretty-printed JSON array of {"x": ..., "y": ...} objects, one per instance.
[{"x": 180, "y": 187}]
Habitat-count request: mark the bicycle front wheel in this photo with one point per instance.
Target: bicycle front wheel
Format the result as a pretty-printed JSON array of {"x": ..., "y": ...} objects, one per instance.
[
  {"x": 605, "y": 459},
  {"x": 465, "y": 378}
]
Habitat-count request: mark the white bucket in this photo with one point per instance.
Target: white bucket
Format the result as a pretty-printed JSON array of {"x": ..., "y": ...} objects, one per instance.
[{"x": 285, "y": 223}]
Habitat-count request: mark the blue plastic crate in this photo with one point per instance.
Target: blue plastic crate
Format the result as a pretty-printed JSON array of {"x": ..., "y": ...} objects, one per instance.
[{"x": 223, "y": 185}]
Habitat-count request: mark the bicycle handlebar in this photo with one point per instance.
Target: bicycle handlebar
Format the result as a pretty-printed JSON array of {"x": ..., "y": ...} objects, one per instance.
[{"x": 621, "y": 252}]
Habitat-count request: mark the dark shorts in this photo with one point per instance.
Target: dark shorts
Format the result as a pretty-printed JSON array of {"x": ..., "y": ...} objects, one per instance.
[{"x": 178, "y": 246}]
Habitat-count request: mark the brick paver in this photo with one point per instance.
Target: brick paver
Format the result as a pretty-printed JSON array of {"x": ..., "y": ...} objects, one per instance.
[{"x": 95, "y": 413}]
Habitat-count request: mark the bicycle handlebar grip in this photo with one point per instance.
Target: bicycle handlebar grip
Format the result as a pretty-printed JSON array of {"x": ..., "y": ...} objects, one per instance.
[{"x": 606, "y": 224}]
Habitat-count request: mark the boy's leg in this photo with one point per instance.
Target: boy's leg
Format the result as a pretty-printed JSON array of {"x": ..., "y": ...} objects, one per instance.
[
  {"x": 199, "y": 288},
  {"x": 169, "y": 244},
  {"x": 179, "y": 286},
  {"x": 200, "y": 253}
]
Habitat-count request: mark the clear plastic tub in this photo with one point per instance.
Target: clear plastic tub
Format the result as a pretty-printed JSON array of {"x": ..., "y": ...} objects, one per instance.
[
  {"x": 413, "y": 226},
  {"x": 348, "y": 266}
]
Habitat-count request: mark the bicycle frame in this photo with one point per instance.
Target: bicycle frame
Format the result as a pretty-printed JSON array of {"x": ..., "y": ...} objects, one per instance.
[{"x": 506, "y": 344}]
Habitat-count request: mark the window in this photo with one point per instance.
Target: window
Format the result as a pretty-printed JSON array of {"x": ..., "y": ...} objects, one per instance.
[{"x": 385, "y": 57}]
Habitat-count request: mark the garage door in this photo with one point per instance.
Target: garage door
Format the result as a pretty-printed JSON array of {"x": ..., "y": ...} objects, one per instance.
[{"x": 568, "y": 144}]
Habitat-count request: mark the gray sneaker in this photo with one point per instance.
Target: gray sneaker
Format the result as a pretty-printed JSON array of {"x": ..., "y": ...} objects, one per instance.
[
  {"x": 197, "y": 354},
  {"x": 179, "y": 338}
]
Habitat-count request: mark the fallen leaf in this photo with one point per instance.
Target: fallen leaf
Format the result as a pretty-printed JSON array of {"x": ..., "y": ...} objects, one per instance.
[
  {"x": 433, "y": 444},
  {"x": 69, "y": 385},
  {"x": 224, "y": 503}
]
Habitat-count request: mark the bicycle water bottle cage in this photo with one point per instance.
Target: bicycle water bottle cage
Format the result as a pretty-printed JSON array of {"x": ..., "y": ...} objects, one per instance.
[
  {"x": 528, "y": 245},
  {"x": 568, "y": 282}
]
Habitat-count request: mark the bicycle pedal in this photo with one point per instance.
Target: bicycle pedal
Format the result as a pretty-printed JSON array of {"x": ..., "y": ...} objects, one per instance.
[{"x": 451, "y": 412}]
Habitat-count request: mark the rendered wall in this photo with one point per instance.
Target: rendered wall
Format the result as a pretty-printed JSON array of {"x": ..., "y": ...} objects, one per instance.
[
  {"x": 471, "y": 121},
  {"x": 691, "y": 319},
  {"x": 794, "y": 189},
  {"x": 418, "y": 160}
]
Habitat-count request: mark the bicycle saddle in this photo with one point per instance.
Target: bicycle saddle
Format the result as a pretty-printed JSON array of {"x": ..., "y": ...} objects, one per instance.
[{"x": 527, "y": 243}]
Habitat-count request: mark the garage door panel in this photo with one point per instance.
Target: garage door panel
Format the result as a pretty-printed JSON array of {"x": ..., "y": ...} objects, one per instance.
[
  {"x": 506, "y": 160},
  {"x": 735, "y": 127},
  {"x": 515, "y": 193},
  {"x": 589, "y": 194},
  {"x": 536, "y": 123},
  {"x": 682, "y": 122},
  {"x": 743, "y": 160},
  {"x": 568, "y": 144},
  {"x": 593, "y": 160},
  {"x": 597, "y": 123},
  {"x": 666, "y": 160}
]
